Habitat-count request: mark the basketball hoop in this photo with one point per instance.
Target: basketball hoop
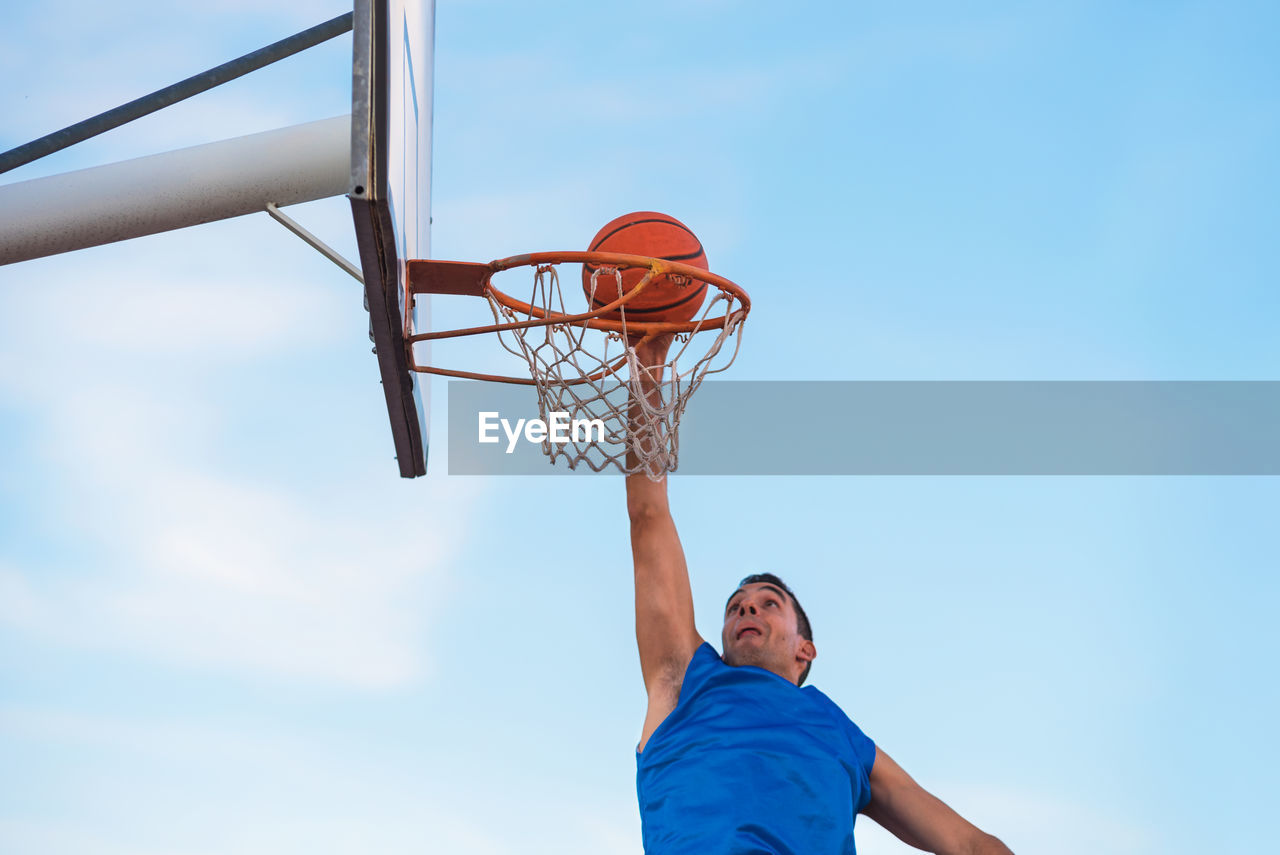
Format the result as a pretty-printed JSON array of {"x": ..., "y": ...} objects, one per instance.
[{"x": 584, "y": 364}]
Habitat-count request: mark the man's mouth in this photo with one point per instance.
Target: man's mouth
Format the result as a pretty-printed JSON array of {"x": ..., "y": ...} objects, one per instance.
[{"x": 742, "y": 632}]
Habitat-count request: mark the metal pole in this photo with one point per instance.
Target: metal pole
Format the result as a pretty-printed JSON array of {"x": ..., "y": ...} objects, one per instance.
[
  {"x": 206, "y": 80},
  {"x": 119, "y": 201}
]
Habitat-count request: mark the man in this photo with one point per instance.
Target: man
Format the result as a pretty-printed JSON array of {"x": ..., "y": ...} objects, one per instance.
[{"x": 734, "y": 757}]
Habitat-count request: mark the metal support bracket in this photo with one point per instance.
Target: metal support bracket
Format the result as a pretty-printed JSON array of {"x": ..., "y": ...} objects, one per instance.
[{"x": 315, "y": 243}]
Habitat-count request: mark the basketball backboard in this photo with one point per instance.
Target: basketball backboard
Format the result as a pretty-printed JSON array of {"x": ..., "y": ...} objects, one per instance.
[{"x": 390, "y": 193}]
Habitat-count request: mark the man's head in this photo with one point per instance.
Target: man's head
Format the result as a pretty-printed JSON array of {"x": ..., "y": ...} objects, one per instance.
[{"x": 765, "y": 626}]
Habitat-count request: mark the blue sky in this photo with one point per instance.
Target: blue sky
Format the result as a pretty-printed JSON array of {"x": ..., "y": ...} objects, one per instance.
[{"x": 227, "y": 626}]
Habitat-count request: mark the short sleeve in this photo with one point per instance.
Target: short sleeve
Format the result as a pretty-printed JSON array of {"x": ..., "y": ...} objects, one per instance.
[{"x": 861, "y": 748}]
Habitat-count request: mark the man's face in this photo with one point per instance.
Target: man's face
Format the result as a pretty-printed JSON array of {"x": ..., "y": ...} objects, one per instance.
[{"x": 760, "y": 628}]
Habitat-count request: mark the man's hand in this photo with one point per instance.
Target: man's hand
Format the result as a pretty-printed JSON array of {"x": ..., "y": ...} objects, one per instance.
[
  {"x": 920, "y": 819},
  {"x": 652, "y": 350},
  {"x": 650, "y": 364}
]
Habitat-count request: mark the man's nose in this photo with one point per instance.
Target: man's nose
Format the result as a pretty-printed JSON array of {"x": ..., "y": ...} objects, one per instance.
[{"x": 742, "y": 609}]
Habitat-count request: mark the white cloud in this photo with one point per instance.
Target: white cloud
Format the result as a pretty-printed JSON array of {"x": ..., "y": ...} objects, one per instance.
[
  {"x": 1036, "y": 822},
  {"x": 309, "y": 791},
  {"x": 302, "y": 799},
  {"x": 202, "y": 568},
  {"x": 196, "y": 558},
  {"x": 20, "y": 606},
  {"x": 1028, "y": 822}
]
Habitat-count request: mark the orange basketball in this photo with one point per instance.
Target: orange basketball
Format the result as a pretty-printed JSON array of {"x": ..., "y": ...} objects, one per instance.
[{"x": 671, "y": 299}]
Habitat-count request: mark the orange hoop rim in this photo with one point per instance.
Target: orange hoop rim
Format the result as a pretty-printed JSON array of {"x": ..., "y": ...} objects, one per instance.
[
  {"x": 637, "y": 332},
  {"x": 594, "y": 319}
]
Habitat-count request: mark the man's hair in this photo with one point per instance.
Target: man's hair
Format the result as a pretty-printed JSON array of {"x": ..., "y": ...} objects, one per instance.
[{"x": 802, "y": 619}]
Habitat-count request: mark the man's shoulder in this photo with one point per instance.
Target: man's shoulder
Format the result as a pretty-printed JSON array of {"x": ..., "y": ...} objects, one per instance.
[
  {"x": 705, "y": 661},
  {"x": 863, "y": 746},
  {"x": 820, "y": 698}
]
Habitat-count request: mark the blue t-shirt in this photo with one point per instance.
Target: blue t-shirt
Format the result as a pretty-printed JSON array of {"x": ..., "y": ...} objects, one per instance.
[{"x": 748, "y": 762}]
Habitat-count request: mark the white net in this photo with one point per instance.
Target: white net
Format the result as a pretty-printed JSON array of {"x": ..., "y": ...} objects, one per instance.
[{"x": 590, "y": 381}]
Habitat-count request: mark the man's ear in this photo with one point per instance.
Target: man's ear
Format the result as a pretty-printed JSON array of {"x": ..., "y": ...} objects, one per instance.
[{"x": 807, "y": 652}]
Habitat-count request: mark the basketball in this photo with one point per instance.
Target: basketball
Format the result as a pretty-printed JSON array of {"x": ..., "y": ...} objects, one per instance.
[{"x": 670, "y": 299}]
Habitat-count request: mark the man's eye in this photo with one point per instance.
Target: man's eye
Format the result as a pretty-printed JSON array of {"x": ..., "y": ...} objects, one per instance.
[{"x": 771, "y": 603}]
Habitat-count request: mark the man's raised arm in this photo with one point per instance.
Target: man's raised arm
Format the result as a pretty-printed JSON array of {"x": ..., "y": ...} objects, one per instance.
[{"x": 665, "y": 630}]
